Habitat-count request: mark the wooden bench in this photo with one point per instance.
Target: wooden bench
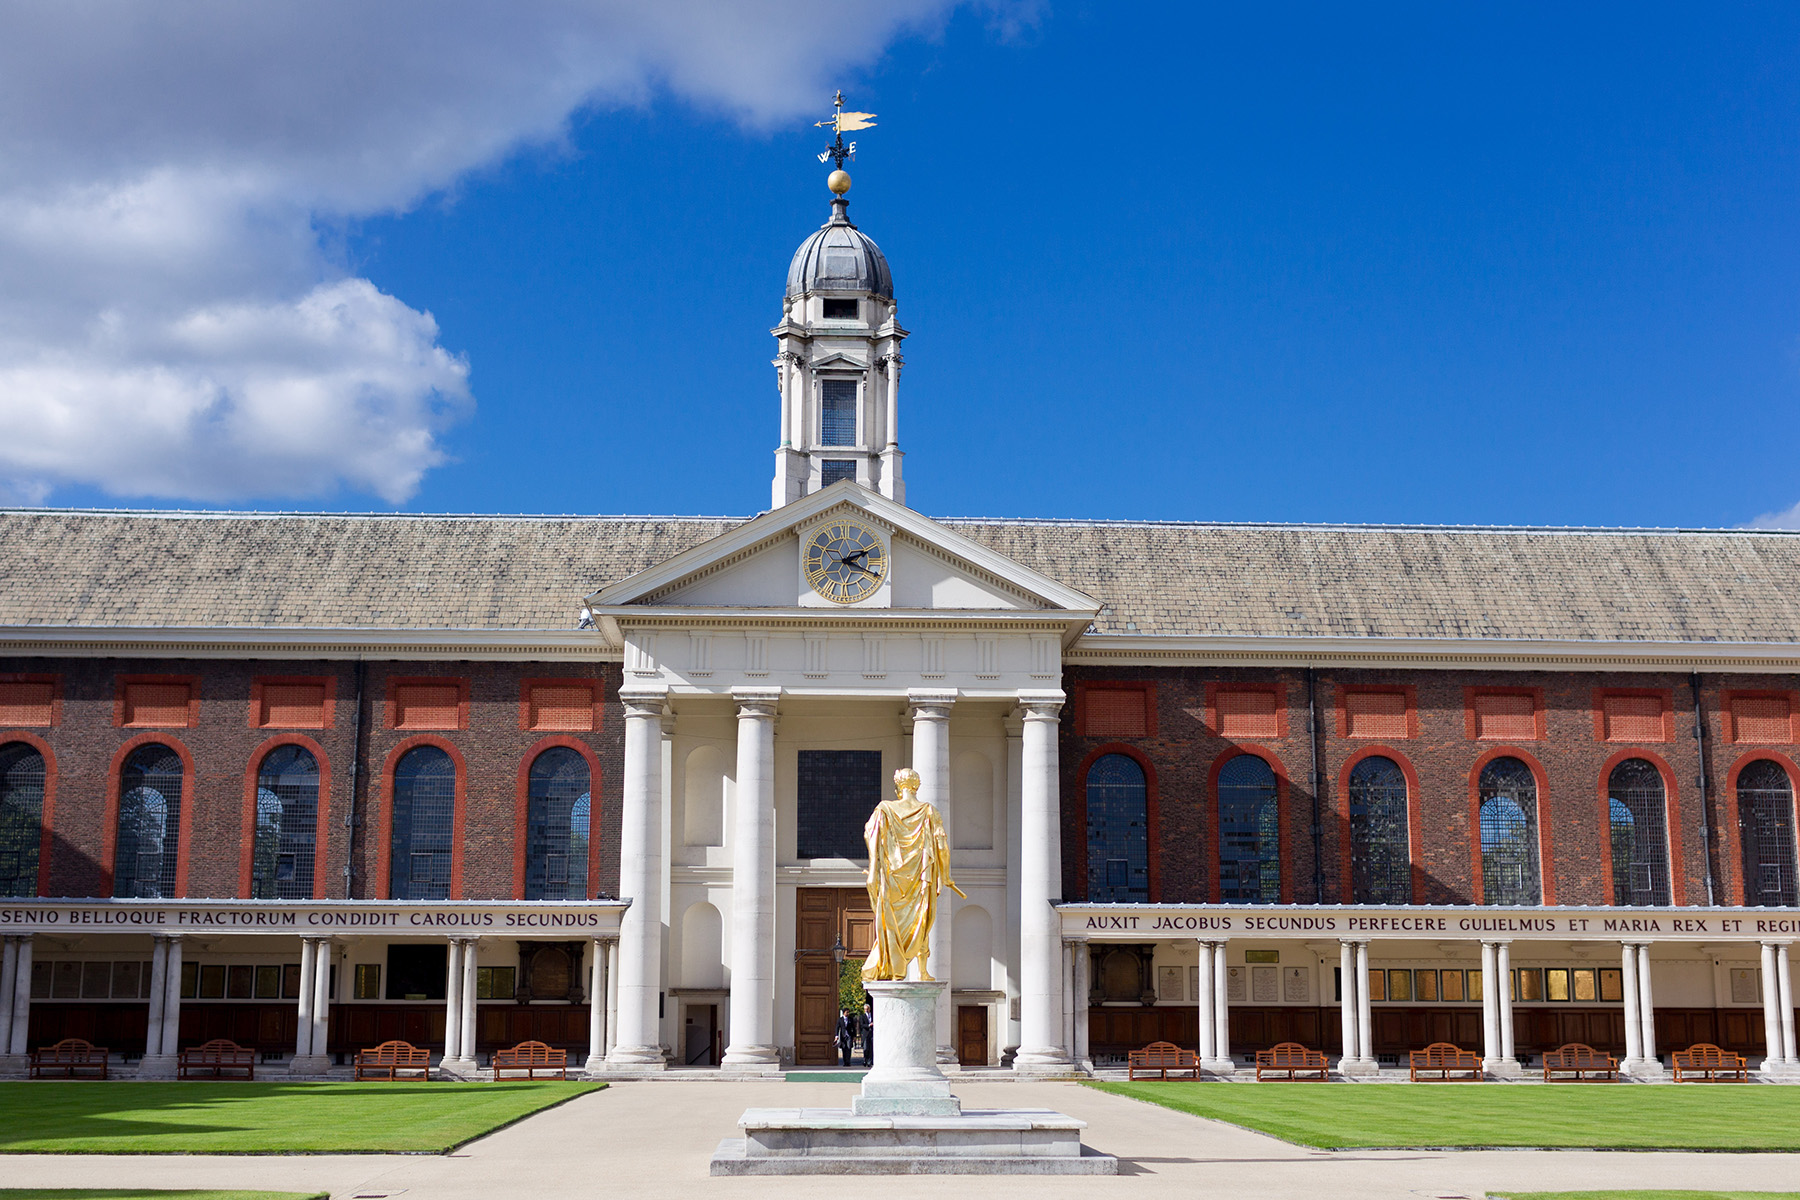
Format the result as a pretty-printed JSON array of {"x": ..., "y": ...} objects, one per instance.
[
  {"x": 533, "y": 1058},
  {"x": 218, "y": 1059},
  {"x": 1158, "y": 1059},
  {"x": 71, "y": 1058},
  {"x": 1446, "y": 1061},
  {"x": 1710, "y": 1063},
  {"x": 1580, "y": 1060},
  {"x": 388, "y": 1060},
  {"x": 1291, "y": 1059}
]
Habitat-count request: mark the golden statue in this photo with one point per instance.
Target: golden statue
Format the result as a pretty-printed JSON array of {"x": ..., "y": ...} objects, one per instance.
[{"x": 909, "y": 863}]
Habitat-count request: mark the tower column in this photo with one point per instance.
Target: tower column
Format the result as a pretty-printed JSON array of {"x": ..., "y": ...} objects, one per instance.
[
  {"x": 753, "y": 886},
  {"x": 639, "y": 1045}
]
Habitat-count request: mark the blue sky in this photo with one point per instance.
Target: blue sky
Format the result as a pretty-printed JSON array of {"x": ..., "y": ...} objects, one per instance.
[{"x": 1521, "y": 265}]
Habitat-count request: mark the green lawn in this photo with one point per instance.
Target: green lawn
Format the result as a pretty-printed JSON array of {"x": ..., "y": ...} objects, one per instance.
[
  {"x": 263, "y": 1118},
  {"x": 1336, "y": 1115},
  {"x": 147, "y": 1194}
]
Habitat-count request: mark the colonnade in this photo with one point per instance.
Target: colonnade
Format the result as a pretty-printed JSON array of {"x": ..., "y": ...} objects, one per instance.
[{"x": 1044, "y": 1040}]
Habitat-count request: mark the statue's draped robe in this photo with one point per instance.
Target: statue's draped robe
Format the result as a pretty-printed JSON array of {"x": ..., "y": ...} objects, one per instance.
[{"x": 909, "y": 860}]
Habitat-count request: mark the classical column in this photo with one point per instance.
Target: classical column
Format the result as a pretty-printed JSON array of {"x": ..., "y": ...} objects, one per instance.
[
  {"x": 1084, "y": 964},
  {"x": 753, "y": 886},
  {"x": 1015, "y": 758},
  {"x": 1349, "y": 987},
  {"x": 1647, "y": 1012},
  {"x": 21, "y": 997},
  {"x": 1491, "y": 983},
  {"x": 639, "y": 1046},
  {"x": 1221, "y": 1012},
  {"x": 1634, "y": 1027},
  {"x": 159, "y": 973},
  {"x": 1774, "y": 1051},
  {"x": 303, "y": 1024},
  {"x": 1040, "y": 888},
  {"x": 471, "y": 958},
  {"x": 598, "y": 949},
  {"x": 1067, "y": 963},
  {"x": 322, "y": 998},
  {"x": 1784, "y": 977},
  {"x": 453, "y": 988},
  {"x": 891, "y": 484},
  {"x": 1203, "y": 1002},
  {"x": 612, "y": 994},
  {"x": 1365, "y": 1015},
  {"x": 9, "y": 966},
  {"x": 1508, "y": 1067},
  {"x": 930, "y": 712},
  {"x": 159, "y": 1063}
]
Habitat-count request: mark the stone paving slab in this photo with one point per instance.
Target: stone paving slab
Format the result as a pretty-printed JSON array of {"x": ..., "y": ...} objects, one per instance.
[{"x": 651, "y": 1140}]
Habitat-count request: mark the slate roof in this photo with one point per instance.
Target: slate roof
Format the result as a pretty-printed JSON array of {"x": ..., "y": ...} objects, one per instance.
[{"x": 97, "y": 569}]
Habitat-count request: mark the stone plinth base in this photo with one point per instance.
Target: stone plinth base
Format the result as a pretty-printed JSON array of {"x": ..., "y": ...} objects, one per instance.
[
  {"x": 1503, "y": 1068},
  {"x": 835, "y": 1141},
  {"x": 15, "y": 1066},
  {"x": 156, "y": 1066},
  {"x": 459, "y": 1068},
  {"x": 1642, "y": 1069},
  {"x": 1780, "y": 1071},
  {"x": 309, "y": 1064},
  {"x": 1218, "y": 1066},
  {"x": 1358, "y": 1068},
  {"x": 905, "y": 1080}
]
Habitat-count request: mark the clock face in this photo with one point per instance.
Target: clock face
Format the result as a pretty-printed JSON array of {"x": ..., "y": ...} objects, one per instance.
[{"x": 845, "y": 562}]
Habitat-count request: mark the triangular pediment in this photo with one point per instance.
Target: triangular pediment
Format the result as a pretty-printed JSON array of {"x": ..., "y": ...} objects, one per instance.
[{"x": 757, "y": 566}]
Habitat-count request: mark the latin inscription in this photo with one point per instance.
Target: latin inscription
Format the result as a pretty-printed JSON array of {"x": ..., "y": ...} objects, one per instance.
[{"x": 1179, "y": 919}]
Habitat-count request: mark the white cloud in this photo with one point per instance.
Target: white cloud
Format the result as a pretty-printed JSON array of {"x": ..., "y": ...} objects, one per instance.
[
  {"x": 1787, "y": 518},
  {"x": 170, "y": 326}
]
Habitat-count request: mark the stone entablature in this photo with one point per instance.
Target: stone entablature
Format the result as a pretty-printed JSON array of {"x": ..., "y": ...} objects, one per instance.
[
  {"x": 1211, "y": 922},
  {"x": 316, "y": 918}
]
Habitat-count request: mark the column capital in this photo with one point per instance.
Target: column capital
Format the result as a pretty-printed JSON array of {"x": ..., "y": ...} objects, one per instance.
[
  {"x": 1351, "y": 941},
  {"x": 645, "y": 700},
  {"x": 756, "y": 702},
  {"x": 930, "y": 704},
  {"x": 1075, "y": 939},
  {"x": 1041, "y": 705},
  {"x": 1496, "y": 941}
]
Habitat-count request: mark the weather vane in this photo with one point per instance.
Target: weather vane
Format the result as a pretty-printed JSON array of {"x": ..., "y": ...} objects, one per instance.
[{"x": 840, "y": 123}]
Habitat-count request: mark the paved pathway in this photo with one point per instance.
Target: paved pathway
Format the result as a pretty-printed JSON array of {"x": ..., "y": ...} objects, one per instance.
[{"x": 654, "y": 1140}]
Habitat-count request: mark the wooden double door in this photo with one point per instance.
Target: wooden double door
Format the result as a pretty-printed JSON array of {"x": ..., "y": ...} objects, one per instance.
[{"x": 825, "y": 917}]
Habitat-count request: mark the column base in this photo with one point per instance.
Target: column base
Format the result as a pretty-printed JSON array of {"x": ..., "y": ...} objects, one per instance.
[
  {"x": 751, "y": 1060},
  {"x": 1641, "y": 1068},
  {"x": 309, "y": 1064},
  {"x": 1778, "y": 1070},
  {"x": 632, "y": 1062},
  {"x": 947, "y": 1056},
  {"x": 1047, "y": 1061},
  {"x": 1218, "y": 1066},
  {"x": 1358, "y": 1068},
  {"x": 1502, "y": 1068},
  {"x": 15, "y": 1066},
  {"x": 459, "y": 1068},
  {"x": 156, "y": 1066}
]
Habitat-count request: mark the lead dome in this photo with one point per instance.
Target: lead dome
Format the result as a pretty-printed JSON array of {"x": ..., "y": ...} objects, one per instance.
[{"x": 839, "y": 258}]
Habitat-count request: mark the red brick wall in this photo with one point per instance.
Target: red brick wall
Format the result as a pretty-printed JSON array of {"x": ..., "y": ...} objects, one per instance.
[
  {"x": 86, "y": 741},
  {"x": 1443, "y": 756}
]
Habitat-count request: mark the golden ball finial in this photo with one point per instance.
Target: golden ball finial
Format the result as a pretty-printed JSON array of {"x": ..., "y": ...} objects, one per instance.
[{"x": 838, "y": 181}]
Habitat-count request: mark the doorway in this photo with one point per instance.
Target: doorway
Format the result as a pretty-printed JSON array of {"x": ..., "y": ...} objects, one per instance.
[
  {"x": 824, "y": 917},
  {"x": 972, "y": 1035},
  {"x": 700, "y": 1035}
]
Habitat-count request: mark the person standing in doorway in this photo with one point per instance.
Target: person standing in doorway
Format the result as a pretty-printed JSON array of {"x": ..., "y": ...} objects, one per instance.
[
  {"x": 868, "y": 1031},
  {"x": 846, "y": 1034}
]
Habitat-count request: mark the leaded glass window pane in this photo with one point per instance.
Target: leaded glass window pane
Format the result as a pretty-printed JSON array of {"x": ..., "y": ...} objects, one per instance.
[
  {"x": 1249, "y": 833},
  {"x": 1380, "y": 848},
  {"x": 1640, "y": 848},
  {"x": 423, "y": 825},
  {"x": 1509, "y": 836},
  {"x": 832, "y": 470},
  {"x": 287, "y": 823},
  {"x": 1765, "y": 797},
  {"x": 837, "y": 416},
  {"x": 21, "y": 818},
  {"x": 1118, "y": 830},
  {"x": 148, "y": 844},
  {"x": 556, "y": 836},
  {"x": 838, "y": 789}
]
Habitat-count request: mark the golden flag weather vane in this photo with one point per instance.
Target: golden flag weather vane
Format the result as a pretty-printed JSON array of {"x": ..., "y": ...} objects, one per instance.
[{"x": 840, "y": 123}]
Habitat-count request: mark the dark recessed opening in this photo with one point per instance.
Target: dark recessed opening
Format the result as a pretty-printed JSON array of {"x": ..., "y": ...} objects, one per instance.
[{"x": 840, "y": 310}]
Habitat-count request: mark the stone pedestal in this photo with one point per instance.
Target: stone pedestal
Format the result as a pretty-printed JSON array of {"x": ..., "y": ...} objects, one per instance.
[
  {"x": 458, "y": 1068},
  {"x": 1647, "y": 1069},
  {"x": 906, "y": 1122},
  {"x": 15, "y": 1066},
  {"x": 1358, "y": 1068},
  {"x": 905, "y": 1080},
  {"x": 1503, "y": 1068},
  {"x": 156, "y": 1066},
  {"x": 310, "y": 1065}
]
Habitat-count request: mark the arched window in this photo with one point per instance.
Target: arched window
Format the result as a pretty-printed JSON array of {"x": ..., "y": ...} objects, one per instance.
[
  {"x": 1509, "y": 834},
  {"x": 557, "y": 808},
  {"x": 1118, "y": 830},
  {"x": 424, "y": 825},
  {"x": 1765, "y": 799},
  {"x": 1380, "y": 847},
  {"x": 1640, "y": 848},
  {"x": 287, "y": 825},
  {"x": 149, "y": 839},
  {"x": 1249, "y": 832},
  {"x": 21, "y": 818}
]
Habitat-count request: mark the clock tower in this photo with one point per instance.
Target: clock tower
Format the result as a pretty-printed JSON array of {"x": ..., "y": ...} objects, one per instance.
[{"x": 838, "y": 362}]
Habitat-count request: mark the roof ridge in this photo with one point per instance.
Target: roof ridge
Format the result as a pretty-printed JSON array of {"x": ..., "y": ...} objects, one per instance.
[{"x": 254, "y": 514}]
